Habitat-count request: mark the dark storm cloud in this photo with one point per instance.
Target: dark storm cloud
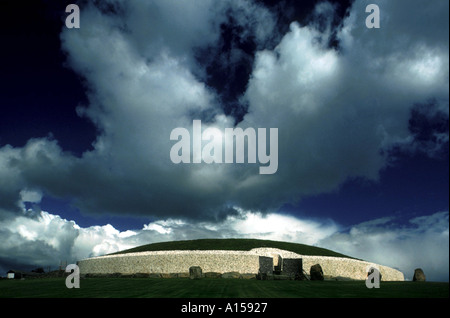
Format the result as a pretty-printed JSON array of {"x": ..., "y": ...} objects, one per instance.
[{"x": 336, "y": 111}]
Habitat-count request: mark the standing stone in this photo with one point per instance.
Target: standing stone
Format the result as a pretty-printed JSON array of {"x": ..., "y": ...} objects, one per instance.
[
  {"x": 419, "y": 275},
  {"x": 316, "y": 272},
  {"x": 293, "y": 267},
  {"x": 195, "y": 272}
]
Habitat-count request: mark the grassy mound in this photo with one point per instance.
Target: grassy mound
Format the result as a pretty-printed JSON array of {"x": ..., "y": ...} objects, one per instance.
[{"x": 233, "y": 244}]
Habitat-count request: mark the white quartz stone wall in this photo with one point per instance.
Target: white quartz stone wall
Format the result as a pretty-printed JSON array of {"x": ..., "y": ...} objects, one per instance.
[
  {"x": 251, "y": 262},
  {"x": 337, "y": 266},
  {"x": 175, "y": 262}
]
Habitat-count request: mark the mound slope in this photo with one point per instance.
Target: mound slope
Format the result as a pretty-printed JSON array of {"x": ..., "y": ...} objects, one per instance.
[
  {"x": 247, "y": 257},
  {"x": 232, "y": 245}
]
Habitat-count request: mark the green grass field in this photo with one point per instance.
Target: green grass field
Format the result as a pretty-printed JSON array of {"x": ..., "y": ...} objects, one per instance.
[{"x": 215, "y": 288}]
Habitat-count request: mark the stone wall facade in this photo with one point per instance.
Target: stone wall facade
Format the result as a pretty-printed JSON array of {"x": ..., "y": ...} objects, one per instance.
[
  {"x": 256, "y": 261},
  {"x": 349, "y": 268},
  {"x": 177, "y": 262},
  {"x": 336, "y": 267}
]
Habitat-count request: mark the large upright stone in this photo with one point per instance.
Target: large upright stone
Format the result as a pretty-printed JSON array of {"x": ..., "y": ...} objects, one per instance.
[
  {"x": 292, "y": 267},
  {"x": 316, "y": 272},
  {"x": 419, "y": 275},
  {"x": 195, "y": 272}
]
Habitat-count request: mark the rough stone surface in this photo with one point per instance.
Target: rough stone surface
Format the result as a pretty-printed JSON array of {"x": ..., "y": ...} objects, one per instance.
[
  {"x": 212, "y": 275},
  {"x": 292, "y": 267},
  {"x": 183, "y": 275},
  {"x": 316, "y": 272},
  {"x": 265, "y": 276},
  {"x": 257, "y": 261},
  {"x": 248, "y": 276},
  {"x": 282, "y": 277},
  {"x": 195, "y": 272},
  {"x": 178, "y": 262},
  {"x": 265, "y": 265},
  {"x": 231, "y": 275},
  {"x": 173, "y": 275},
  {"x": 140, "y": 275},
  {"x": 154, "y": 275},
  {"x": 337, "y": 266},
  {"x": 419, "y": 275}
]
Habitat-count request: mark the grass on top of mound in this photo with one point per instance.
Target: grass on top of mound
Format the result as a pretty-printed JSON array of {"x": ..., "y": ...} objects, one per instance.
[{"x": 233, "y": 244}]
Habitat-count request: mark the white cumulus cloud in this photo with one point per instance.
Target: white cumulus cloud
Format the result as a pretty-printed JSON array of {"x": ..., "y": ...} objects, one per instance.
[
  {"x": 422, "y": 243},
  {"x": 45, "y": 239}
]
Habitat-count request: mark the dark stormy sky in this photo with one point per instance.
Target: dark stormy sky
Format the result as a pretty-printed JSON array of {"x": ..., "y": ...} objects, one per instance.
[{"x": 362, "y": 117}]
